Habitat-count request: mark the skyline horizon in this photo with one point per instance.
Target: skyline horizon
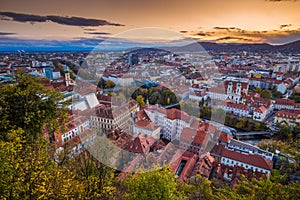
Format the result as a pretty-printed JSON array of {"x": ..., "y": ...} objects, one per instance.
[
  {"x": 90, "y": 44},
  {"x": 233, "y": 21}
]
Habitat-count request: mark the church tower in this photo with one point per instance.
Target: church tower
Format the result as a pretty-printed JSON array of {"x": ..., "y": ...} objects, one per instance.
[{"x": 67, "y": 76}]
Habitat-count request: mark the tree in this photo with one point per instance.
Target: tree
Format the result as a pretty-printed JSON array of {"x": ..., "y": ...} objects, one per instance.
[
  {"x": 263, "y": 188},
  {"x": 257, "y": 126},
  {"x": 140, "y": 100},
  {"x": 30, "y": 106},
  {"x": 97, "y": 179},
  {"x": 202, "y": 101},
  {"x": 265, "y": 94},
  {"x": 110, "y": 84},
  {"x": 199, "y": 188},
  {"x": 258, "y": 90},
  {"x": 101, "y": 83},
  {"x": 122, "y": 96},
  {"x": 157, "y": 184},
  {"x": 284, "y": 133},
  {"x": 27, "y": 161},
  {"x": 277, "y": 94}
]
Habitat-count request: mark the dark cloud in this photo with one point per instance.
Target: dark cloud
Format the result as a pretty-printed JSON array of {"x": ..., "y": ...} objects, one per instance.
[
  {"x": 201, "y": 33},
  {"x": 5, "y": 33},
  {"x": 183, "y": 31},
  {"x": 285, "y": 25},
  {"x": 233, "y": 38},
  {"x": 70, "y": 21},
  {"x": 229, "y": 29},
  {"x": 90, "y": 29},
  {"x": 97, "y": 33}
]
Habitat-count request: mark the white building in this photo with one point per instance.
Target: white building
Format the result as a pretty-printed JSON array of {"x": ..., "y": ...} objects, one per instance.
[
  {"x": 146, "y": 127},
  {"x": 236, "y": 109},
  {"x": 260, "y": 113},
  {"x": 171, "y": 121},
  {"x": 248, "y": 161},
  {"x": 233, "y": 89},
  {"x": 281, "y": 104}
]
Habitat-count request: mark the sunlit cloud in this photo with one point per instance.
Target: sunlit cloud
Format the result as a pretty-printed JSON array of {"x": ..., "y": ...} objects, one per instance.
[{"x": 235, "y": 34}]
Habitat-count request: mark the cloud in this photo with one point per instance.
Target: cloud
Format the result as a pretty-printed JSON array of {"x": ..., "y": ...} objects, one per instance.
[
  {"x": 235, "y": 34},
  {"x": 229, "y": 29},
  {"x": 97, "y": 33},
  {"x": 285, "y": 26},
  {"x": 69, "y": 21},
  {"x": 183, "y": 31},
  {"x": 5, "y": 33},
  {"x": 234, "y": 38},
  {"x": 90, "y": 29},
  {"x": 201, "y": 33}
]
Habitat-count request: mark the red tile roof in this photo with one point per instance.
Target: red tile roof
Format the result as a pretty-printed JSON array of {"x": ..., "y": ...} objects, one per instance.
[
  {"x": 285, "y": 102},
  {"x": 146, "y": 125},
  {"x": 288, "y": 114},
  {"x": 250, "y": 159},
  {"x": 141, "y": 144}
]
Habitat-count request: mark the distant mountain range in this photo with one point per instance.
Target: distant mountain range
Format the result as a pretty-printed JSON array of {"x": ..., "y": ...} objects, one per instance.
[
  {"x": 84, "y": 44},
  {"x": 293, "y": 47}
]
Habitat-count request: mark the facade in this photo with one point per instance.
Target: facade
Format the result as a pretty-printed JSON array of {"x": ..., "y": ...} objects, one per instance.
[
  {"x": 77, "y": 136},
  {"x": 281, "y": 104},
  {"x": 109, "y": 118},
  {"x": 234, "y": 89},
  {"x": 236, "y": 109},
  {"x": 243, "y": 147},
  {"x": 260, "y": 113},
  {"x": 288, "y": 116},
  {"x": 146, "y": 127},
  {"x": 250, "y": 161},
  {"x": 171, "y": 121},
  {"x": 193, "y": 140}
]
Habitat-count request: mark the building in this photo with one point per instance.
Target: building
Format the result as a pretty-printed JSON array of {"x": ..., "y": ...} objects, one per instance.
[
  {"x": 234, "y": 89},
  {"x": 243, "y": 147},
  {"x": 236, "y": 109},
  {"x": 108, "y": 117},
  {"x": 48, "y": 71},
  {"x": 281, "y": 104},
  {"x": 171, "y": 121},
  {"x": 290, "y": 117},
  {"x": 133, "y": 59},
  {"x": 77, "y": 136},
  {"x": 193, "y": 140},
  {"x": 260, "y": 113},
  {"x": 230, "y": 157},
  {"x": 197, "y": 93},
  {"x": 147, "y": 127},
  {"x": 141, "y": 144}
]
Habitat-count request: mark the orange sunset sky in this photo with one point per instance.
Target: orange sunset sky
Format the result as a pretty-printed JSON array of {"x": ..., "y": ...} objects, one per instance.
[{"x": 249, "y": 21}]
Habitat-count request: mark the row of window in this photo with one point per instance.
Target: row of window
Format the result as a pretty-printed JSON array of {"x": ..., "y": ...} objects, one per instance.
[{"x": 232, "y": 163}]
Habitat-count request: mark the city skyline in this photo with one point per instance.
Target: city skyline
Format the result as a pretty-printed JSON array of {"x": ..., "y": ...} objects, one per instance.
[{"x": 258, "y": 21}]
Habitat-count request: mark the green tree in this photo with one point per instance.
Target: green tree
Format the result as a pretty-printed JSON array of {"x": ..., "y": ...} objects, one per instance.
[
  {"x": 257, "y": 126},
  {"x": 258, "y": 90},
  {"x": 109, "y": 84},
  {"x": 199, "y": 188},
  {"x": 277, "y": 94},
  {"x": 140, "y": 100},
  {"x": 30, "y": 106},
  {"x": 265, "y": 94},
  {"x": 158, "y": 184}
]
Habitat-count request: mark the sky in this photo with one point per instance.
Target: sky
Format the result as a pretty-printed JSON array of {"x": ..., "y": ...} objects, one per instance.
[{"x": 245, "y": 21}]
